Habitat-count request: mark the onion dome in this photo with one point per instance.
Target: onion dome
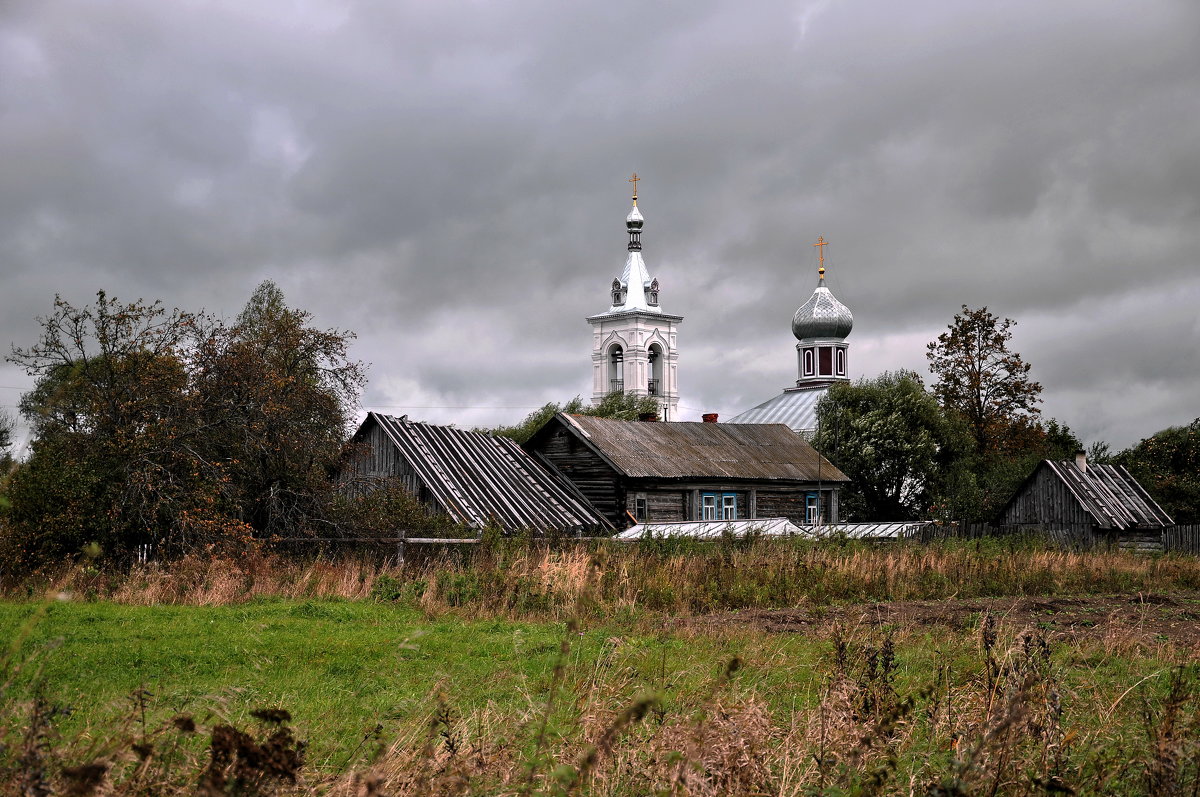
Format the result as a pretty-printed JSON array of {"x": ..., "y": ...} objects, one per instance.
[
  {"x": 822, "y": 316},
  {"x": 634, "y": 220}
]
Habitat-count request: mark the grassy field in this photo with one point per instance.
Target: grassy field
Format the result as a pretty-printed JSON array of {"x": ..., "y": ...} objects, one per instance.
[{"x": 532, "y": 675}]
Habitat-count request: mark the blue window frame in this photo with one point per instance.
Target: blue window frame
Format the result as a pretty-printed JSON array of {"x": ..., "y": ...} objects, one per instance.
[
  {"x": 812, "y": 508},
  {"x": 718, "y": 506}
]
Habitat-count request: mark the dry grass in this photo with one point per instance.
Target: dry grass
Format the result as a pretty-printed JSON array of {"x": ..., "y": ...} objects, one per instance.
[{"x": 537, "y": 580}]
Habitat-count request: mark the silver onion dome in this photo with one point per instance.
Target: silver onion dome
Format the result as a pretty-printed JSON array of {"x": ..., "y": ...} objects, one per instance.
[{"x": 822, "y": 316}]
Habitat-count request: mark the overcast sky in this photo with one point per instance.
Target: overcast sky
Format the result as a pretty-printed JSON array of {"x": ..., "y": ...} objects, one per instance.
[{"x": 448, "y": 181}]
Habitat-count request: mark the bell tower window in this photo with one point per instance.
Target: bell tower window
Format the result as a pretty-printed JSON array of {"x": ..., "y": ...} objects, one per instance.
[
  {"x": 654, "y": 384},
  {"x": 808, "y": 362},
  {"x": 616, "y": 370},
  {"x": 840, "y": 361}
]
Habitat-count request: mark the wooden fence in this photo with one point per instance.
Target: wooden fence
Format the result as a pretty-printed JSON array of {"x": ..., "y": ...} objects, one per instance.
[
  {"x": 1182, "y": 539},
  {"x": 1172, "y": 539}
]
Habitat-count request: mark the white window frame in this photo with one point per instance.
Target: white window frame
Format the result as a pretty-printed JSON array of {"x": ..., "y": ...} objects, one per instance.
[
  {"x": 812, "y": 508},
  {"x": 728, "y": 506}
]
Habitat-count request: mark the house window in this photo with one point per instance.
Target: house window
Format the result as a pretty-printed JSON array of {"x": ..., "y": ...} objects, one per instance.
[
  {"x": 812, "y": 508},
  {"x": 729, "y": 506},
  {"x": 718, "y": 506},
  {"x": 841, "y": 362},
  {"x": 808, "y": 362},
  {"x": 639, "y": 506}
]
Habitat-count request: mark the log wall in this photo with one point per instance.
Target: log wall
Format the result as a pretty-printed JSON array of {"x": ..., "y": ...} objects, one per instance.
[{"x": 588, "y": 472}]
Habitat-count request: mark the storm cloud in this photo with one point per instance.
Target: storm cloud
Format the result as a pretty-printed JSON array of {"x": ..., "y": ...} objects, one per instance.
[{"x": 448, "y": 181}]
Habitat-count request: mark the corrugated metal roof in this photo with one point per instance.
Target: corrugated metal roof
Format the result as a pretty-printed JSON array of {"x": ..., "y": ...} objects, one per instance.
[
  {"x": 711, "y": 529},
  {"x": 704, "y": 450},
  {"x": 1111, "y": 495},
  {"x": 796, "y": 409},
  {"x": 773, "y": 527},
  {"x": 477, "y": 477}
]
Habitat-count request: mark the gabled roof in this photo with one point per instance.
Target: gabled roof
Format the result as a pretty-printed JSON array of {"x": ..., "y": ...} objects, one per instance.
[
  {"x": 754, "y": 452},
  {"x": 477, "y": 478},
  {"x": 1108, "y": 493}
]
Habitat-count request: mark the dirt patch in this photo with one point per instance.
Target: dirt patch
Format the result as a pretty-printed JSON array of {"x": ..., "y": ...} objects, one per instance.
[{"x": 1137, "y": 617}]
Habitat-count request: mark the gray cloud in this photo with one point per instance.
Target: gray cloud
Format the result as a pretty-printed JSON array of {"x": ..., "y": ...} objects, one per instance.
[{"x": 447, "y": 180}]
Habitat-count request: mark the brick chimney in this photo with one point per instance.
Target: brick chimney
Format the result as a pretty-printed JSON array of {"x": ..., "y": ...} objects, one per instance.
[
  {"x": 1081, "y": 460},
  {"x": 648, "y": 417},
  {"x": 709, "y": 417}
]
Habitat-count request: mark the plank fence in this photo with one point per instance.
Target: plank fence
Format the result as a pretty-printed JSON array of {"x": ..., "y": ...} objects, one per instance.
[
  {"x": 1172, "y": 539},
  {"x": 1182, "y": 539}
]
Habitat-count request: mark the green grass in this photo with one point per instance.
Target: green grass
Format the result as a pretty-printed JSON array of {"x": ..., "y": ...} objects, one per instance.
[
  {"x": 340, "y": 667},
  {"x": 343, "y": 667}
]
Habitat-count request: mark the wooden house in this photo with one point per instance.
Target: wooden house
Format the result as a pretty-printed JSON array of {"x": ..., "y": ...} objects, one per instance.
[
  {"x": 474, "y": 478},
  {"x": 634, "y": 471},
  {"x": 1086, "y": 505}
]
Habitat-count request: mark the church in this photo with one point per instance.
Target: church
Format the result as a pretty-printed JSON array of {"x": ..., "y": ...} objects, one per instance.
[
  {"x": 821, "y": 327},
  {"x": 634, "y": 341},
  {"x": 635, "y": 349}
]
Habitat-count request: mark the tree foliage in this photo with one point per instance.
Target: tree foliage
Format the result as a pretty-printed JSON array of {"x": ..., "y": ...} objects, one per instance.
[
  {"x": 980, "y": 379},
  {"x": 617, "y": 405},
  {"x": 900, "y": 450},
  {"x": 278, "y": 399},
  {"x": 170, "y": 428},
  {"x": 1167, "y": 465}
]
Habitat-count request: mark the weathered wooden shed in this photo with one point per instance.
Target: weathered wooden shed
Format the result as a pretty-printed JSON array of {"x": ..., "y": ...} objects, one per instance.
[
  {"x": 474, "y": 478},
  {"x": 634, "y": 471},
  {"x": 1087, "y": 504}
]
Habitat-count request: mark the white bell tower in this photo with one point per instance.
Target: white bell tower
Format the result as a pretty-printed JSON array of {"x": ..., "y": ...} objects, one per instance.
[{"x": 633, "y": 342}]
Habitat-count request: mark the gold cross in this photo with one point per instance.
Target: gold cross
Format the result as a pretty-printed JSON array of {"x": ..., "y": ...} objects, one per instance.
[
  {"x": 821, "y": 244},
  {"x": 634, "y": 180}
]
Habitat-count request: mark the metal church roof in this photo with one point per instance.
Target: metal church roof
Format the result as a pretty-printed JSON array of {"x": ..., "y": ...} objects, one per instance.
[
  {"x": 1110, "y": 494},
  {"x": 703, "y": 450},
  {"x": 477, "y": 478},
  {"x": 796, "y": 409}
]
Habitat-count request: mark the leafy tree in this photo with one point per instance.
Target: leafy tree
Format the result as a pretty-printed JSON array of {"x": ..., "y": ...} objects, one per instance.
[
  {"x": 166, "y": 427},
  {"x": 618, "y": 405},
  {"x": 1167, "y": 464},
  {"x": 7, "y": 428},
  {"x": 114, "y": 455},
  {"x": 980, "y": 379},
  {"x": 900, "y": 450},
  {"x": 279, "y": 398}
]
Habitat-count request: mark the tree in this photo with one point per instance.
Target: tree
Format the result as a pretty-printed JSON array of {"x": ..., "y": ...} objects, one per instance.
[
  {"x": 279, "y": 400},
  {"x": 981, "y": 380},
  {"x": 169, "y": 428},
  {"x": 7, "y": 428},
  {"x": 618, "y": 405},
  {"x": 115, "y": 452},
  {"x": 1167, "y": 464},
  {"x": 900, "y": 450}
]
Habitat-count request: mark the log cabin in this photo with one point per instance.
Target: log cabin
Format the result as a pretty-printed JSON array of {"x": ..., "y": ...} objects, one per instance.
[{"x": 634, "y": 471}]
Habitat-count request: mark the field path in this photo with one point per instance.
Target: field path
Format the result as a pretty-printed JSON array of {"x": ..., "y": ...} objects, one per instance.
[{"x": 1134, "y": 617}]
